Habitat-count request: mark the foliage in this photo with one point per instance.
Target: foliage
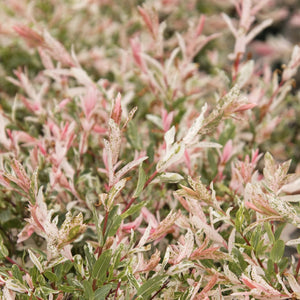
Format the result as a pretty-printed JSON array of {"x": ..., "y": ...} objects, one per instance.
[{"x": 144, "y": 149}]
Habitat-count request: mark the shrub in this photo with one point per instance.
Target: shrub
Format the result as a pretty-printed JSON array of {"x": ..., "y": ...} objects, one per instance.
[{"x": 144, "y": 149}]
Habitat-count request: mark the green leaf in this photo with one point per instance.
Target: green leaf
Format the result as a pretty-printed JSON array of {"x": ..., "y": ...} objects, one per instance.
[
  {"x": 78, "y": 264},
  {"x": 90, "y": 257},
  {"x": 66, "y": 288},
  {"x": 283, "y": 263},
  {"x": 3, "y": 250},
  {"x": 36, "y": 261},
  {"x": 239, "y": 219},
  {"x": 101, "y": 266},
  {"x": 256, "y": 237},
  {"x": 212, "y": 161},
  {"x": 269, "y": 231},
  {"x": 51, "y": 276},
  {"x": 141, "y": 182},
  {"x": 59, "y": 271},
  {"x": 16, "y": 273},
  {"x": 134, "y": 137},
  {"x": 114, "y": 192},
  {"x": 169, "y": 177},
  {"x": 113, "y": 223},
  {"x": 150, "y": 286},
  {"x": 88, "y": 290},
  {"x": 238, "y": 254},
  {"x": 133, "y": 209},
  {"x": 132, "y": 279},
  {"x": 278, "y": 231},
  {"x": 228, "y": 132},
  {"x": 115, "y": 261},
  {"x": 277, "y": 251},
  {"x": 98, "y": 227},
  {"x": 102, "y": 292},
  {"x": 111, "y": 231},
  {"x": 44, "y": 291}
]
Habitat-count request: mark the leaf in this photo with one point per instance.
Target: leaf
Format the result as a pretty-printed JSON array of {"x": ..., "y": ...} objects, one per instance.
[
  {"x": 279, "y": 230},
  {"x": 114, "y": 191},
  {"x": 51, "y": 276},
  {"x": 169, "y": 177},
  {"x": 102, "y": 292},
  {"x": 134, "y": 137},
  {"x": 111, "y": 231},
  {"x": 3, "y": 250},
  {"x": 277, "y": 251},
  {"x": 155, "y": 120},
  {"x": 270, "y": 234},
  {"x": 256, "y": 237},
  {"x": 169, "y": 137},
  {"x": 173, "y": 155},
  {"x": 239, "y": 219},
  {"x": 128, "y": 167},
  {"x": 44, "y": 291},
  {"x": 245, "y": 73},
  {"x": 78, "y": 264},
  {"x": 132, "y": 279},
  {"x": 101, "y": 266},
  {"x": 67, "y": 289},
  {"x": 98, "y": 227},
  {"x": 150, "y": 286},
  {"x": 196, "y": 126},
  {"x": 36, "y": 261},
  {"x": 89, "y": 256},
  {"x": 16, "y": 273},
  {"x": 88, "y": 290},
  {"x": 113, "y": 223},
  {"x": 16, "y": 286},
  {"x": 141, "y": 182},
  {"x": 133, "y": 209}
]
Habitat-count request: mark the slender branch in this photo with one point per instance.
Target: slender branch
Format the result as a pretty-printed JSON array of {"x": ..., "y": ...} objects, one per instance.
[
  {"x": 162, "y": 287},
  {"x": 297, "y": 268},
  {"x": 116, "y": 292},
  {"x": 145, "y": 185},
  {"x": 15, "y": 263}
]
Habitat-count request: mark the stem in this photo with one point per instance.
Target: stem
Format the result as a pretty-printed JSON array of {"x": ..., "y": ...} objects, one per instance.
[
  {"x": 145, "y": 185},
  {"x": 276, "y": 268},
  {"x": 150, "y": 179},
  {"x": 163, "y": 286},
  {"x": 105, "y": 222},
  {"x": 267, "y": 106},
  {"x": 116, "y": 292},
  {"x": 297, "y": 268},
  {"x": 15, "y": 263},
  {"x": 236, "y": 66}
]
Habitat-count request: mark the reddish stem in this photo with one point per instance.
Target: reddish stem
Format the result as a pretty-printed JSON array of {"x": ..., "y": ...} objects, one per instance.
[
  {"x": 116, "y": 292},
  {"x": 105, "y": 222},
  {"x": 145, "y": 185},
  {"x": 276, "y": 268},
  {"x": 297, "y": 268},
  {"x": 14, "y": 263}
]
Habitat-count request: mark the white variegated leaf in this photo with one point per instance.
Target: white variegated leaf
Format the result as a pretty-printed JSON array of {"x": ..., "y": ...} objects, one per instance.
[
  {"x": 196, "y": 126},
  {"x": 173, "y": 155},
  {"x": 36, "y": 261}
]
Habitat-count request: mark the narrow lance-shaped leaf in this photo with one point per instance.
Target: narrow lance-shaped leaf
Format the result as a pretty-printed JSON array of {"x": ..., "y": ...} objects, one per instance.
[
  {"x": 141, "y": 182},
  {"x": 128, "y": 167},
  {"x": 115, "y": 190},
  {"x": 36, "y": 261},
  {"x": 277, "y": 251},
  {"x": 150, "y": 286},
  {"x": 173, "y": 155},
  {"x": 102, "y": 265}
]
